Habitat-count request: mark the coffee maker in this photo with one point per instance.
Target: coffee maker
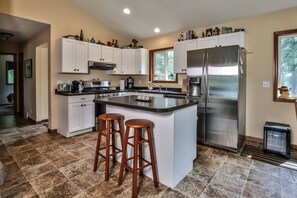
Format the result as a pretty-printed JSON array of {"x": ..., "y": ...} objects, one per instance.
[{"x": 130, "y": 83}]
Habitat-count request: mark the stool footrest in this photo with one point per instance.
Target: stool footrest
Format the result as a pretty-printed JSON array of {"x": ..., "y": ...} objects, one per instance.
[{"x": 140, "y": 168}]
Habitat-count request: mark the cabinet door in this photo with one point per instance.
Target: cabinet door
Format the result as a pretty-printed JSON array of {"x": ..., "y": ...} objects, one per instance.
[
  {"x": 141, "y": 61},
  {"x": 117, "y": 59},
  {"x": 68, "y": 55},
  {"x": 81, "y": 57},
  {"x": 236, "y": 38},
  {"x": 189, "y": 45},
  {"x": 94, "y": 52},
  {"x": 179, "y": 57},
  {"x": 75, "y": 117},
  {"x": 128, "y": 61},
  {"x": 107, "y": 54},
  {"x": 208, "y": 42},
  {"x": 88, "y": 115}
]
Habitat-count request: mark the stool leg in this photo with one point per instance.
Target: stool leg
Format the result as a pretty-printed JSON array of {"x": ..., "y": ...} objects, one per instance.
[
  {"x": 113, "y": 140},
  {"x": 98, "y": 145},
  {"x": 107, "y": 151},
  {"x": 152, "y": 154},
  {"x": 121, "y": 127},
  {"x": 136, "y": 143},
  {"x": 124, "y": 156},
  {"x": 140, "y": 151}
]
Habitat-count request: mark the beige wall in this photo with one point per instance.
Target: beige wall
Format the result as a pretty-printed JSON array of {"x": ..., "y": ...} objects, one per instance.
[
  {"x": 65, "y": 18},
  {"x": 259, "y": 40}
]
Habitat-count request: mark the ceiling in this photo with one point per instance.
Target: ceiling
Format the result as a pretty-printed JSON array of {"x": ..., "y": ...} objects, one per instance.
[
  {"x": 174, "y": 15},
  {"x": 22, "y": 29}
]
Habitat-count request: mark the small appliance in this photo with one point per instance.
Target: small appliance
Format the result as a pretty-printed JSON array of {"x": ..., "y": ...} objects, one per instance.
[
  {"x": 130, "y": 83},
  {"x": 75, "y": 86}
]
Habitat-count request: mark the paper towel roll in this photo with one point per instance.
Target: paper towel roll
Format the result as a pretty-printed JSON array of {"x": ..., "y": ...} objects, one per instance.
[{"x": 122, "y": 85}]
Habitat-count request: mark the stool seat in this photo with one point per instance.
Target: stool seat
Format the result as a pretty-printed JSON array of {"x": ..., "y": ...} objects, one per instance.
[
  {"x": 138, "y": 123},
  {"x": 108, "y": 130},
  {"x": 110, "y": 116}
]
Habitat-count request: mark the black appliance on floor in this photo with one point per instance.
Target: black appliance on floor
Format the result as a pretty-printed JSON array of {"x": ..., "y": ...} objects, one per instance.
[{"x": 277, "y": 138}]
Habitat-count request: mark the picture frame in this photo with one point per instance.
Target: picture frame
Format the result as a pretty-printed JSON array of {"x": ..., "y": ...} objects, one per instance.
[{"x": 28, "y": 68}]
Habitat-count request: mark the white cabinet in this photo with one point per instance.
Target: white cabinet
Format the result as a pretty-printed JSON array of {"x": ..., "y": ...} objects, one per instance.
[
  {"x": 135, "y": 61},
  {"x": 74, "y": 56},
  {"x": 207, "y": 42},
  {"x": 180, "y": 54},
  {"x": 128, "y": 61},
  {"x": 100, "y": 53},
  {"x": 236, "y": 38},
  {"x": 141, "y": 61},
  {"x": 117, "y": 59},
  {"x": 75, "y": 114}
]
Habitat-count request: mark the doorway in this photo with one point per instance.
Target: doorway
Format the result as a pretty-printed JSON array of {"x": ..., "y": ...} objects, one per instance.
[{"x": 8, "y": 83}]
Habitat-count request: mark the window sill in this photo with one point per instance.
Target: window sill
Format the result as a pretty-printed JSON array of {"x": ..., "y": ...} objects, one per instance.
[{"x": 289, "y": 100}]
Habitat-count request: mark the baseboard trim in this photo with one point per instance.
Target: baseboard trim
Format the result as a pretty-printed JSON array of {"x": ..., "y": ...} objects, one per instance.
[
  {"x": 52, "y": 131},
  {"x": 256, "y": 139},
  {"x": 37, "y": 122}
]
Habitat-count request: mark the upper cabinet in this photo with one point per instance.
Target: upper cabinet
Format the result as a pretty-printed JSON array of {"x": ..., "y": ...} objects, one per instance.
[
  {"x": 74, "y": 56},
  {"x": 181, "y": 48},
  {"x": 117, "y": 59},
  {"x": 236, "y": 38},
  {"x": 141, "y": 61},
  {"x": 100, "y": 53},
  {"x": 180, "y": 54},
  {"x": 135, "y": 61}
]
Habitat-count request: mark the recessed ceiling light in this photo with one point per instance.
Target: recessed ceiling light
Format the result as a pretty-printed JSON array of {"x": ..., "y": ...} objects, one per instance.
[
  {"x": 157, "y": 30},
  {"x": 126, "y": 11}
]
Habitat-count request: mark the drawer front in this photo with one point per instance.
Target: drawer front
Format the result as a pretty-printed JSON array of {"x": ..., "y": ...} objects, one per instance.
[{"x": 81, "y": 98}]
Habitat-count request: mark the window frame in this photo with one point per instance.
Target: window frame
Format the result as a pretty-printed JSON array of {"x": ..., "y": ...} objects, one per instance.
[
  {"x": 151, "y": 67},
  {"x": 276, "y": 65}
]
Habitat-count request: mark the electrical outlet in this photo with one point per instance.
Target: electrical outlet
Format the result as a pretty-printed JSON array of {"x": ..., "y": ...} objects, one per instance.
[
  {"x": 266, "y": 84},
  {"x": 139, "y": 82}
]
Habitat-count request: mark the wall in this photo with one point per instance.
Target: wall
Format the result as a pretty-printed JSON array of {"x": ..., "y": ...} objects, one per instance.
[
  {"x": 259, "y": 40},
  {"x": 65, "y": 18},
  {"x": 5, "y": 90}
]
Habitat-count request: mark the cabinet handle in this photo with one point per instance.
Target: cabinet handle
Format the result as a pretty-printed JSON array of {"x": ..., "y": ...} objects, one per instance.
[
  {"x": 85, "y": 105},
  {"x": 81, "y": 105},
  {"x": 74, "y": 69},
  {"x": 77, "y": 69},
  {"x": 83, "y": 98}
]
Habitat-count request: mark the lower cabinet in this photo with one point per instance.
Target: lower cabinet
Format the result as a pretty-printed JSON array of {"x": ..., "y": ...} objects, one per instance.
[{"x": 76, "y": 114}]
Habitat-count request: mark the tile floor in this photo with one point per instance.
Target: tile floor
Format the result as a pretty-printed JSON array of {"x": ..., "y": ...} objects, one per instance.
[{"x": 40, "y": 164}]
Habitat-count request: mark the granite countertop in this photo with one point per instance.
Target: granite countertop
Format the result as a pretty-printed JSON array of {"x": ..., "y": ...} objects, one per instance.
[{"x": 155, "y": 104}]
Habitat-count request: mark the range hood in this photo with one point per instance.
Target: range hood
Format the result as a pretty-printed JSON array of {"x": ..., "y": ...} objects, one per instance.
[{"x": 101, "y": 65}]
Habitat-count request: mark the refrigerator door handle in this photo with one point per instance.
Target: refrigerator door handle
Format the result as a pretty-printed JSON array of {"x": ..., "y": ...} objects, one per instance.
[{"x": 206, "y": 79}]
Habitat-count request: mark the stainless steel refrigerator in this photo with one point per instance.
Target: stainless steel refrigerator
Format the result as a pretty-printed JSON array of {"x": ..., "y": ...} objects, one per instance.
[{"x": 217, "y": 78}]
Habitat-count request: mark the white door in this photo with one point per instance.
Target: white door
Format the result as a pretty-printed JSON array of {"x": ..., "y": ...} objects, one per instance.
[
  {"x": 128, "y": 61},
  {"x": 179, "y": 57},
  {"x": 68, "y": 55},
  {"x": 189, "y": 45},
  {"x": 82, "y": 57},
  {"x": 107, "y": 54},
  {"x": 117, "y": 59},
  {"x": 94, "y": 52},
  {"x": 208, "y": 42},
  {"x": 141, "y": 61},
  {"x": 75, "y": 116},
  {"x": 88, "y": 114}
]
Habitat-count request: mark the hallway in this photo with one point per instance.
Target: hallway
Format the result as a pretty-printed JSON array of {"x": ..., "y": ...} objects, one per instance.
[{"x": 11, "y": 121}]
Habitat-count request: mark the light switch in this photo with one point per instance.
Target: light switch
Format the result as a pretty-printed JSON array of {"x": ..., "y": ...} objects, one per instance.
[{"x": 266, "y": 84}]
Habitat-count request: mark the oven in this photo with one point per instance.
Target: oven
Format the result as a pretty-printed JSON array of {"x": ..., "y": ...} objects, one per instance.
[{"x": 101, "y": 108}]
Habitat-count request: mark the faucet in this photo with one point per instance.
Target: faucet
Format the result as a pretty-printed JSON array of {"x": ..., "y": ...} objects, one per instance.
[{"x": 158, "y": 85}]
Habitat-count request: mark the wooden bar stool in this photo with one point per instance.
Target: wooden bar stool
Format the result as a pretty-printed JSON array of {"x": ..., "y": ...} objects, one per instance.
[
  {"x": 138, "y": 125},
  {"x": 107, "y": 128}
]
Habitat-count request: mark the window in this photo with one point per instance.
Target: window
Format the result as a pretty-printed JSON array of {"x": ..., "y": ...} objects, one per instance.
[
  {"x": 162, "y": 65},
  {"x": 10, "y": 73},
  {"x": 285, "y": 57}
]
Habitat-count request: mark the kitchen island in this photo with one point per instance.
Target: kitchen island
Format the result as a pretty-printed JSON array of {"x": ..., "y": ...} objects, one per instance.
[{"x": 174, "y": 132}]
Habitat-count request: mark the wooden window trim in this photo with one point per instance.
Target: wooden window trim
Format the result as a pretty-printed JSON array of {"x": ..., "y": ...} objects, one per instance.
[
  {"x": 276, "y": 66},
  {"x": 151, "y": 66}
]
